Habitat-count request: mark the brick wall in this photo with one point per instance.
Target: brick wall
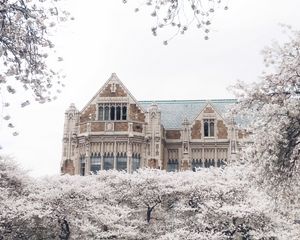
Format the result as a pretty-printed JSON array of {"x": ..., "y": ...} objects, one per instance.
[
  {"x": 135, "y": 113},
  {"x": 118, "y": 93},
  {"x": 222, "y": 130},
  {"x": 97, "y": 126},
  {"x": 173, "y": 134},
  {"x": 196, "y": 130},
  {"x": 152, "y": 163},
  {"x": 82, "y": 128},
  {"x": 121, "y": 126},
  {"x": 137, "y": 127},
  {"x": 89, "y": 114},
  {"x": 68, "y": 167},
  {"x": 208, "y": 110}
]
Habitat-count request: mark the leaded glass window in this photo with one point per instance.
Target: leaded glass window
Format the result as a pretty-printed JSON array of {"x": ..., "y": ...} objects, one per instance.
[
  {"x": 100, "y": 113},
  {"x": 106, "y": 113},
  {"x": 209, "y": 128},
  {"x": 121, "y": 162},
  {"x": 135, "y": 162},
  {"x": 82, "y": 165},
  {"x": 108, "y": 160},
  {"x": 112, "y": 111},
  {"x": 118, "y": 117},
  {"x": 95, "y": 163},
  {"x": 196, "y": 163},
  {"x": 172, "y": 165}
]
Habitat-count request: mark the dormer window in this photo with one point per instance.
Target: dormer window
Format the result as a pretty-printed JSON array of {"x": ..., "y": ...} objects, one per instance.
[
  {"x": 209, "y": 127},
  {"x": 112, "y": 112}
]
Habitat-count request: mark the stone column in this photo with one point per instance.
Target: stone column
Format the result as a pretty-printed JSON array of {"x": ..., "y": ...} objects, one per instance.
[
  {"x": 87, "y": 159},
  {"x": 101, "y": 155},
  {"x": 129, "y": 156}
]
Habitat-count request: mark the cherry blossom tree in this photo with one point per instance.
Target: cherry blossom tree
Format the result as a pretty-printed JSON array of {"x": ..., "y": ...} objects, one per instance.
[
  {"x": 209, "y": 204},
  {"x": 272, "y": 108},
  {"x": 25, "y": 47},
  {"x": 181, "y": 15}
]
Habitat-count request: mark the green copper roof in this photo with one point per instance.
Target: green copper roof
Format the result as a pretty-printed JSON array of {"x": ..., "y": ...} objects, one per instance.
[{"x": 173, "y": 112}]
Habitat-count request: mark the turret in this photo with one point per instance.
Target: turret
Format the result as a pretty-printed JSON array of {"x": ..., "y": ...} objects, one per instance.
[
  {"x": 154, "y": 136},
  {"x": 185, "y": 162},
  {"x": 69, "y": 140}
]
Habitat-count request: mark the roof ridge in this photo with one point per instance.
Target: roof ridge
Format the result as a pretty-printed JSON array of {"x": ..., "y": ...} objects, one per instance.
[{"x": 189, "y": 100}]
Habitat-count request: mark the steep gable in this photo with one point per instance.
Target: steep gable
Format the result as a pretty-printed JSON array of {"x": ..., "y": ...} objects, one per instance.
[
  {"x": 209, "y": 112},
  {"x": 113, "y": 90}
]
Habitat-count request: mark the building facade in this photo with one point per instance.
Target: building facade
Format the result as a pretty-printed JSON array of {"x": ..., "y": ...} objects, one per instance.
[{"x": 115, "y": 131}]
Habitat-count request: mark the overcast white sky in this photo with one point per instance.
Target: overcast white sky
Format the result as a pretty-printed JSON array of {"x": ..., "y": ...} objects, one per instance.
[{"x": 107, "y": 36}]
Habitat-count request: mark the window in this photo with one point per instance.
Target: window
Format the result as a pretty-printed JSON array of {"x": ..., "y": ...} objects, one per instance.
[
  {"x": 108, "y": 160},
  {"x": 172, "y": 166},
  {"x": 135, "y": 162},
  {"x": 112, "y": 112},
  {"x": 95, "y": 163},
  {"x": 196, "y": 163},
  {"x": 124, "y": 113},
  {"x": 209, "y": 128},
  {"x": 206, "y": 163},
  {"x": 220, "y": 163},
  {"x": 100, "y": 113},
  {"x": 106, "y": 113},
  {"x": 82, "y": 165},
  {"x": 118, "y": 117},
  {"x": 121, "y": 162}
]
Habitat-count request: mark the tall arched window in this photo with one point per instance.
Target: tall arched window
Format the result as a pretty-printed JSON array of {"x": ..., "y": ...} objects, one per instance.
[
  {"x": 172, "y": 165},
  {"x": 206, "y": 134},
  {"x": 121, "y": 162},
  {"x": 196, "y": 163},
  {"x": 212, "y": 128},
  {"x": 118, "y": 117},
  {"x": 112, "y": 113},
  {"x": 213, "y": 162},
  {"x": 206, "y": 163},
  {"x": 209, "y": 128},
  {"x": 135, "y": 162},
  {"x": 95, "y": 163},
  {"x": 82, "y": 165},
  {"x": 108, "y": 160},
  {"x": 106, "y": 113},
  {"x": 124, "y": 113},
  {"x": 100, "y": 113}
]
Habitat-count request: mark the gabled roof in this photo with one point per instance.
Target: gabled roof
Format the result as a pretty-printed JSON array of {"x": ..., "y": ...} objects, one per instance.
[
  {"x": 173, "y": 112},
  {"x": 113, "y": 78}
]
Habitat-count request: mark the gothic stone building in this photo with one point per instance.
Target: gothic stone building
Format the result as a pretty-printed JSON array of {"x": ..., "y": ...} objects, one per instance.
[{"x": 115, "y": 131}]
